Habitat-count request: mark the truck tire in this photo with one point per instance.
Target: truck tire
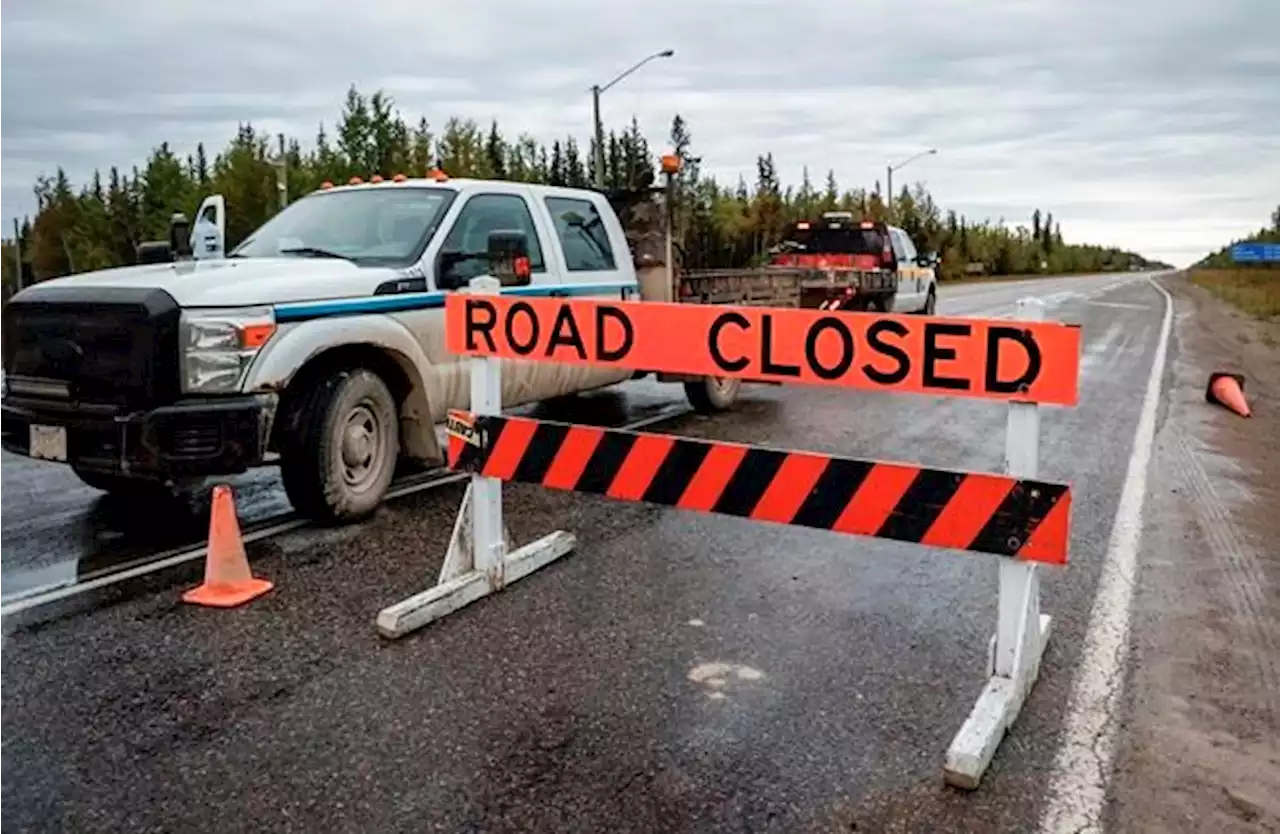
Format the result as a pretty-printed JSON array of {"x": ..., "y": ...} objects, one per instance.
[
  {"x": 931, "y": 303},
  {"x": 880, "y": 304},
  {"x": 712, "y": 394},
  {"x": 338, "y": 456}
]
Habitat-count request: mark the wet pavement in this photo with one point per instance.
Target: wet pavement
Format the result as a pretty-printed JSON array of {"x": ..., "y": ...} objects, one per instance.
[
  {"x": 679, "y": 672},
  {"x": 57, "y": 530}
]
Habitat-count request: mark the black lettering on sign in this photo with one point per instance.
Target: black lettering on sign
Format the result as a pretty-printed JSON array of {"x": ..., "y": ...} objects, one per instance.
[
  {"x": 1023, "y": 337},
  {"x": 766, "y": 353},
  {"x": 463, "y": 428},
  {"x": 933, "y": 353},
  {"x": 482, "y": 317},
  {"x": 525, "y": 348},
  {"x": 875, "y": 339},
  {"x": 604, "y": 353},
  {"x": 565, "y": 332},
  {"x": 713, "y": 341},
  {"x": 846, "y": 348}
]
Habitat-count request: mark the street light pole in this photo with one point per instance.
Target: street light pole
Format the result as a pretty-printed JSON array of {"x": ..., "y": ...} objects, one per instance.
[
  {"x": 599, "y": 131},
  {"x": 889, "y": 169},
  {"x": 596, "y": 90}
]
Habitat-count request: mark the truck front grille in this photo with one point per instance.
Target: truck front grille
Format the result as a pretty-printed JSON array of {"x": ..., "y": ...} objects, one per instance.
[{"x": 93, "y": 344}]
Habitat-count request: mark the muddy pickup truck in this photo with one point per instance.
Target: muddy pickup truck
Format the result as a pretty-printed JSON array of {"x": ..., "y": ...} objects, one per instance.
[
  {"x": 832, "y": 263},
  {"x": 318, "y": 342}
]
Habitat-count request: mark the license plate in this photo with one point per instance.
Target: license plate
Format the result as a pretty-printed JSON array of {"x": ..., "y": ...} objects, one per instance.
[{"x": 48, "y": 442}]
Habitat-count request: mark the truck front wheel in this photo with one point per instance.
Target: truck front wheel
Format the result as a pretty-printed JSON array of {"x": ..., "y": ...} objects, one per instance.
[
  {"x": 711, "y": 394},
  {"x": 338, "y": 452},
  {"x": 931, "y": 303},
  {"x": 880, "y": 304}
]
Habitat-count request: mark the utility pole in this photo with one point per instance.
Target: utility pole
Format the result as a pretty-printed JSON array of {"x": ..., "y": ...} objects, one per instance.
[
  {"x": 281, "y": 163},
  {"x": 888, "y": 192},
  {"x": 596, "y": 90},
  {"x": 17, "y": 251}
]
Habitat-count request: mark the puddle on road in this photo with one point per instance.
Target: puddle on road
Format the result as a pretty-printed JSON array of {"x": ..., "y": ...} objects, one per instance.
[{"x": 715, "y": 678}]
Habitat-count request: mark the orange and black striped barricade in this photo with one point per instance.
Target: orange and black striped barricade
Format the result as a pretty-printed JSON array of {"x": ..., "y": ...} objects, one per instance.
[{"x": 1014, "y": 515}]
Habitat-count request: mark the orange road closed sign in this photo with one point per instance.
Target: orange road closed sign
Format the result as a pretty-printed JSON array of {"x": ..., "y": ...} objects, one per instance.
[{"x": 986, "y": 358}]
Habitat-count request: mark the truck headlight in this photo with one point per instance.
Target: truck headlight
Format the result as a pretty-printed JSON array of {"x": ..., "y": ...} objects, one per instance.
[{"x": 219, "y": 345}]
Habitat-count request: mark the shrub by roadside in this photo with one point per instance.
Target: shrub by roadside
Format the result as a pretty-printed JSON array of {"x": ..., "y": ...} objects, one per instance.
[{"x": 1254, "y": 291}]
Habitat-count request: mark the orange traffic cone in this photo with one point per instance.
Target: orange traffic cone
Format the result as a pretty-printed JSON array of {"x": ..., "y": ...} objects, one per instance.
[
  {"x": 227, "y": 579},
  {"x": 1228, "y": 390}
]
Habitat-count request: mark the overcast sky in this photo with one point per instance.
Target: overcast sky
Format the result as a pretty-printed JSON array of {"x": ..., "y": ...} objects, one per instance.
[{"x": 1148, "y": 124}]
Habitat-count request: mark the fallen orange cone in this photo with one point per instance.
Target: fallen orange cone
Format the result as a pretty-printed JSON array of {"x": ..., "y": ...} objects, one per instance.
[
  {"x": 228, "y": 581},
  {"x": 1227, "y": 390}
]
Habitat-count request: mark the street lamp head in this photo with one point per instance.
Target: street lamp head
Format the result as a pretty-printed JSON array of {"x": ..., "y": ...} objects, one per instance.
[
  {"x": 933, "y": 150},
  {"x": 666, "y": 53}
]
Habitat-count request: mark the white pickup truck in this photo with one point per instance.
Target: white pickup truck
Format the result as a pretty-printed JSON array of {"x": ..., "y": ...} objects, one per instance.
[{"x": 317, "y": 342}]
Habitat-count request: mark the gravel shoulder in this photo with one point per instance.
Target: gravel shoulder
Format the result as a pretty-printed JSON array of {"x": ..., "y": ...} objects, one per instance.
[{"x": 1204, "y": 696}]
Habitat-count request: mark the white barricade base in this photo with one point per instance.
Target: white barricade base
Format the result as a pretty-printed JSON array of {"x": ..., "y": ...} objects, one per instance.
[
  {"x": 477, "y": 563},
  {"x": 997, "y": 707},
  {"x": 462, "y": 582}
]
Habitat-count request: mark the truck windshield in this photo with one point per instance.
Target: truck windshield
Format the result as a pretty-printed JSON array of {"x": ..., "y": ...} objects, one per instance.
[
  {"x": 843, "y": 241},
  {"x": 369, "y": 226}
]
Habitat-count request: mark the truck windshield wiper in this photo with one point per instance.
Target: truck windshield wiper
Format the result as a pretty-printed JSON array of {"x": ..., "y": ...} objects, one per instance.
[{"x": 313, "y": 251}]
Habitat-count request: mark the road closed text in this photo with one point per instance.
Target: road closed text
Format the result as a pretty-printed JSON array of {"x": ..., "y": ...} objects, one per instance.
[{"x": 986, "y": 358}]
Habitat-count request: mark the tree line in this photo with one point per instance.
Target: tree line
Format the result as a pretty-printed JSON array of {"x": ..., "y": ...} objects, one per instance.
[{"x": 100, "y": 223}]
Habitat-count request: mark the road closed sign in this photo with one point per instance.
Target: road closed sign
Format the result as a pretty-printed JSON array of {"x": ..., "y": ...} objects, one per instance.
[{"x": 984, "y": 358}]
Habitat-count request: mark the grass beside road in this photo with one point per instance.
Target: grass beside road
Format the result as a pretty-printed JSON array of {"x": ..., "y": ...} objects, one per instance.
[{"x": 1254, "y": 291}]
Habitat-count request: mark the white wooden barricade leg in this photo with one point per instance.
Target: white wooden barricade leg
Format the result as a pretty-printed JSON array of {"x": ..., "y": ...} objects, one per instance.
[
  {"x": 1022, "y": 632},
  {"x": 477, "y": 563}
]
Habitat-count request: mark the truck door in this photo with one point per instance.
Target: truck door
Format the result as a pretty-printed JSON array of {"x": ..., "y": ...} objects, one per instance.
[
  {"x": 209, "y": 231},
  {"x": 589, "y": 262},
  {"x": 463, "y": 255},
  {"x": 909, "y": 298}
]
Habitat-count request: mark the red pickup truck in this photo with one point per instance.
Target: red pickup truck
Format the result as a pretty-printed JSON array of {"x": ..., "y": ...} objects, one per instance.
[{"x": 871, "y": 265}]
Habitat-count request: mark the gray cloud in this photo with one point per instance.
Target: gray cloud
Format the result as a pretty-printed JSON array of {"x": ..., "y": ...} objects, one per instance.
[{"x": 1152, "y": 124}]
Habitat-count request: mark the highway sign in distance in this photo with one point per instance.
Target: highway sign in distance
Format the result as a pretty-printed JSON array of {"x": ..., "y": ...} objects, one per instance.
[{"x": 1255, "y": 253}]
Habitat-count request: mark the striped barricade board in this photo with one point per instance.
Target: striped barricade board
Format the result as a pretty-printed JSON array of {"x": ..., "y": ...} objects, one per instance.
[{"x": 1017, "y": 517}]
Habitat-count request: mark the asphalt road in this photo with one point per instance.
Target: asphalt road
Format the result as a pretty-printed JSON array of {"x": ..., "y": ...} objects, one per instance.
[{"x": 680, "y": 672}]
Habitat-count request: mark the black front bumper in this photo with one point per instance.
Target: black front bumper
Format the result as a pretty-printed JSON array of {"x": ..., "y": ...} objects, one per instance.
[{"x": 221, "y": 436}]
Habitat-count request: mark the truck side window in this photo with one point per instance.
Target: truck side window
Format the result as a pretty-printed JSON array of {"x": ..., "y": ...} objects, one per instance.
[
  {"x": 582, "y": 235},
  {"x": 465, "y": 252},
  {"x": 899, "y": 250},
  {"x": 908, "y": 248}
]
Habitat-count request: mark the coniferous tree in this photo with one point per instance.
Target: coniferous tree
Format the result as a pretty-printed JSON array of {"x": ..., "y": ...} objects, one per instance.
[{"x": 715, "y": 225}]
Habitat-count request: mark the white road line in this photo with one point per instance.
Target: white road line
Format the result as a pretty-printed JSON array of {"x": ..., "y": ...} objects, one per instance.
[
  {"x": 52, "y": 593},
  {"x": 1082, "y": 767},
  {"x": 1119, "y": 305}
]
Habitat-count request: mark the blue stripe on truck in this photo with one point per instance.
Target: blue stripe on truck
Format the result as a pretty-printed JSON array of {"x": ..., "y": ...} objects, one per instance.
[{"x": 402, "y": 302}]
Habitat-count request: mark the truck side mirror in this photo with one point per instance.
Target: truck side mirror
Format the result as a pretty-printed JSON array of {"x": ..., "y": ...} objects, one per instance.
[
  {"x": 180, "y": 236},
  {"x": 508, "y": 253}
]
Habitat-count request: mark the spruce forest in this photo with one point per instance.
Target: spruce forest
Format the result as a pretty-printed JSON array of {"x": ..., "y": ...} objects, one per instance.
[{"x": 99, "y": 223}]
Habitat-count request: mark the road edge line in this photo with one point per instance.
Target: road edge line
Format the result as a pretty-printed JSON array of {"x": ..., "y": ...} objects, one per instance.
[{"x": 1082, "y": 766}]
